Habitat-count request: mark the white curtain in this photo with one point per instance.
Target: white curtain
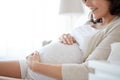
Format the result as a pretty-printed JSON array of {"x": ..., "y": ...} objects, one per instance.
[{"x": 24, "y": 24}]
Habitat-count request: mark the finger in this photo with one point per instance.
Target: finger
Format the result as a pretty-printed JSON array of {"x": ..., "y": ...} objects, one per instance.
[
  {"x": 69, "y": 39},
  {"x": 74, "y": 41},
  {"x": 28, "y": 56},
  {"x": 36, "y": 52},
  {"x": 63, "y": 39},
  {"x": 32, "y": 54},
  {"x": 66, "y": 39}
]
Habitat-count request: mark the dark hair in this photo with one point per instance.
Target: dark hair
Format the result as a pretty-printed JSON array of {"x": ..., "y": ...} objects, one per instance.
[
  {"x": 114, "y": 10},
  {"x": 95, "y": 21},
  {"x": 114, "y": 7}
]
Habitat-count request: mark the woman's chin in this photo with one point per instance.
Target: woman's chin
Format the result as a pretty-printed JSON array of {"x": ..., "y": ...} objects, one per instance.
[{"x": 96, "y": 16}]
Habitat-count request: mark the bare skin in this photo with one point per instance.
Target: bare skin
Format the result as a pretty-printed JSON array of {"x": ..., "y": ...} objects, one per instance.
[
  {"x": 8, "y": 78},
  {"x": 67, "y": 39},
  {"x": 10, "y": 69},
  {"x": 36, "y": 66}
]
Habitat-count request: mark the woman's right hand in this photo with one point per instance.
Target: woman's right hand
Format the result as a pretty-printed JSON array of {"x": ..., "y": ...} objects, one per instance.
[
  {"x": 67, "y": 39},
  {"x": 33, "y": 58}
]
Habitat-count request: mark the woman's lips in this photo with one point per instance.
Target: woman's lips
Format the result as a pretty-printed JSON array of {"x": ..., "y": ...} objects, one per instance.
[{"x": 93, "y": 9}]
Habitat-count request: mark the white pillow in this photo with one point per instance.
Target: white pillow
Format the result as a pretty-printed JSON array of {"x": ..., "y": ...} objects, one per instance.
[
  {"x": 115, "y": 53},
  {"x": 59, "y": 53}
]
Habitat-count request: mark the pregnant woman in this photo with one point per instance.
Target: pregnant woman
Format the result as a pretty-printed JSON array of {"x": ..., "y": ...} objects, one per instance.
[{"x": 105, "y": 18}]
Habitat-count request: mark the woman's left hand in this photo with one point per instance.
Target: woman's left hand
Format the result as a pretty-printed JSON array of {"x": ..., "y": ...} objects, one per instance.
[{"x": 33, "y": 58}]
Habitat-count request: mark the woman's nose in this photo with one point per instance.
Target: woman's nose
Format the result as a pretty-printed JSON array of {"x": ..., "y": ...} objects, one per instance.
[{"x": 88, "y": 2}]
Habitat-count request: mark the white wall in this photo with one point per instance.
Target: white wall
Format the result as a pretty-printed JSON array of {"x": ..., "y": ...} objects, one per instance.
[{"x": 24, "y": 24}]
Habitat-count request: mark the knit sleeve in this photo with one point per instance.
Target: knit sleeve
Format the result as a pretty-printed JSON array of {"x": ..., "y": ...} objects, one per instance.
[
  {"x": 103, "y": 50},
  {"x": 75, "y": 71}
]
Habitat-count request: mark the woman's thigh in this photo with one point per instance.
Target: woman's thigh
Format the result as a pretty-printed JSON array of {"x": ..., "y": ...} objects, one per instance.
[{"x": 10, "y": 69}]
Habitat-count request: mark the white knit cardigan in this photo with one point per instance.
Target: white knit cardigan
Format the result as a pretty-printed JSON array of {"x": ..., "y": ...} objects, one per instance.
[{"x": 99, "y": 49}]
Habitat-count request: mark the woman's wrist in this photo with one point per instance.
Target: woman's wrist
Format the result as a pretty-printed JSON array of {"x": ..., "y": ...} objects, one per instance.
[
  {"x": 54, "y": 70},
  {"x": 33, "y": 66}
]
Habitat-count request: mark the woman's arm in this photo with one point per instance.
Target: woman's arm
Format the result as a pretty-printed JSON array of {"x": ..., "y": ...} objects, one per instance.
[
  {"x": 103, "y": 50},
  {"x": 51, "y": 70}
]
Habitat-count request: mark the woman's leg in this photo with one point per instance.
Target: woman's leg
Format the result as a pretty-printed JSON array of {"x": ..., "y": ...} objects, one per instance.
[
  {"x": 8, "y": 78},
  {"x": 10, "y": 69}
]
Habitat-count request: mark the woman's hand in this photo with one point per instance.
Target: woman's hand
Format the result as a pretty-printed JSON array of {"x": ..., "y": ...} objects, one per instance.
[
  {"x": 33, "y": 58},
  {"x": 67, "y": 39}
]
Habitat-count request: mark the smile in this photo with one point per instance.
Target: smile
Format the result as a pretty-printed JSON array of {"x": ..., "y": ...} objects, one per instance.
[{"x": 93, "y": 9}]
